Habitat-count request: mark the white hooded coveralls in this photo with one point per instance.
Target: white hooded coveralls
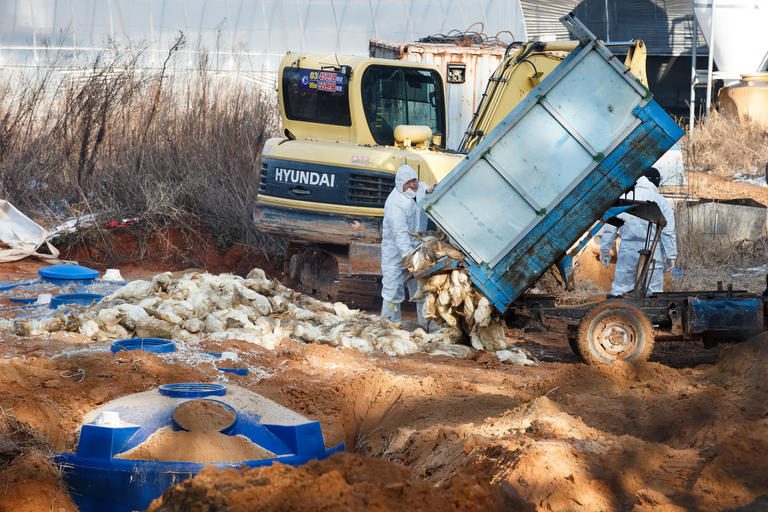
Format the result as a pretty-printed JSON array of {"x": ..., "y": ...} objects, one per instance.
[
  {"x": 401, "y": 216},
  {"x": 633, "y": 233}
]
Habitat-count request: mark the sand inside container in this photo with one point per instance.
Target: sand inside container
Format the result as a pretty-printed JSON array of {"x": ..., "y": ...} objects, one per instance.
[{"x": 203, "y": 416}]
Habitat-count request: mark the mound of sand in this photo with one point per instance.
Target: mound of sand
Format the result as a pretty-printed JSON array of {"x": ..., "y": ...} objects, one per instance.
[
  {"x": 344, "y": 481},
  {"x": 201, "y": 447}
]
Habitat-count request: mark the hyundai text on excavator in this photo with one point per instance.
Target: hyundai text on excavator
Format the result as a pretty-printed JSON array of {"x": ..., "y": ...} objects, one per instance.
[{"x": 349, "y": 123}]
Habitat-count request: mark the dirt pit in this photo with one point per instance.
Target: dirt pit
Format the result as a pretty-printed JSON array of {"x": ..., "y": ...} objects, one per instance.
[{"x": 686, "y": 431}]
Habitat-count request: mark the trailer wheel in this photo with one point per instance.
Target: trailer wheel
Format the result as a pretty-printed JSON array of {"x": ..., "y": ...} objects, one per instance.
[{"x": 615, "y": 330}]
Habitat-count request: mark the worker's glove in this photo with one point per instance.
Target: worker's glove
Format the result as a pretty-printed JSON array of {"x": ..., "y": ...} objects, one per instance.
[
  {"x": 605, "y": 258},
  {"x": 669, "y": 264}
]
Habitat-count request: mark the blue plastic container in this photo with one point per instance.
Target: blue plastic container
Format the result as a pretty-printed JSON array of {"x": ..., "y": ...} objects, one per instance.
[
  {"x": 23, "y": 300},
  {"x": 154, "y": 345},
  {"x": 68, "y": 271},
  {"x": 5, "y": 285},
  {"x": 236, "y": 371},
  {"x": 81, "y": 299},
  {"x": 99, "y": 482},
  {"x": 68, "y": 274},
  {"x": 192, "y": 390}
]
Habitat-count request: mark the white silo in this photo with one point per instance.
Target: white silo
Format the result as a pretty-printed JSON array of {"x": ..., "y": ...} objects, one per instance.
[{"x": 738, "y": 38}]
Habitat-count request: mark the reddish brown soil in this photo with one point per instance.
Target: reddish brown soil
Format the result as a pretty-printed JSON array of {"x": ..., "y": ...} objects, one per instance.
[
  {"x": 136, "y": 253},
  {"x": 33, "y": 483},
  {"x": 343, "y": 482}
]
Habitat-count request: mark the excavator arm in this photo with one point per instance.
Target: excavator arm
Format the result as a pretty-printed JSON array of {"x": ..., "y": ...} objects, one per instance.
[
  {"x": 521, "y": 71},
  {"x": 635, "y": 60}
]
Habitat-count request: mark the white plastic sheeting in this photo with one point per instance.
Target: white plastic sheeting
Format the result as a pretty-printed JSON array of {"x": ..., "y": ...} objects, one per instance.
[
  {"x": 21, "y": 235},
  {"x": 244, "y": 35}
]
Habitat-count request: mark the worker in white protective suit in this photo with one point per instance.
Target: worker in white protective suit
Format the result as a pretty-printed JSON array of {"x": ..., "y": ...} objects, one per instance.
[
  {"x": 633, "y": 234},
  {"x": 401, "y": 216}
]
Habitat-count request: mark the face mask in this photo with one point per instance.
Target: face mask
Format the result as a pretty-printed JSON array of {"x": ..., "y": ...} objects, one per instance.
[{"x": 410, "y": 193}]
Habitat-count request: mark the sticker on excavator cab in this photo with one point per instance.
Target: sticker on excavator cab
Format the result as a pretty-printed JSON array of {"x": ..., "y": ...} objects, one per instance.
[
  {"x": 326, "y": 81},
  {"x": 361, "y": 159}
]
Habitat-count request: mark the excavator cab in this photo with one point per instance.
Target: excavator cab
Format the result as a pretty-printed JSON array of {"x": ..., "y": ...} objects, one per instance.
[{"x": 394, "y": 96}]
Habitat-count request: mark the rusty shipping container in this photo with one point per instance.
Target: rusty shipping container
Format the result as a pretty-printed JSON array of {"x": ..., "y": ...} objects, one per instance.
[{"x": 465, "y": 70}]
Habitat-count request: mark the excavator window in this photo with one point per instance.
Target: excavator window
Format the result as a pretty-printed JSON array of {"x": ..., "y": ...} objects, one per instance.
[
  {"x": 316, "y": 96},
  {"x": 393, "y": 96}
]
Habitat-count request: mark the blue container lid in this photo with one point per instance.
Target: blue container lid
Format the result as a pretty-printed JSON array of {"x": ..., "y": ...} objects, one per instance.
[
  {"x": 192, "y": 390},
  {"x": 68, "y": 271},
  {"x": 154, "y": 345},
  {"x": 83, "y": 299}
]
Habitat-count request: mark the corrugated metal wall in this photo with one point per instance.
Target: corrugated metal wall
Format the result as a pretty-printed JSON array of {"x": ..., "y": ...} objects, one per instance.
[{"x": 665, "y": 25}]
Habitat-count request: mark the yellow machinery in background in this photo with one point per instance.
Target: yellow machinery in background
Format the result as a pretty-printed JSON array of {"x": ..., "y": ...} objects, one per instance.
[{"x": 349, "y": 123}]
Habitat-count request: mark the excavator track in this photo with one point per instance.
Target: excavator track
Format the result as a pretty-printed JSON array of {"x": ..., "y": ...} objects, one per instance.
[{"x": 325, "y": 272}]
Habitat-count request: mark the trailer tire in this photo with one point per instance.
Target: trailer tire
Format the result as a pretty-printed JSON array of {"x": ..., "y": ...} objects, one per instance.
[{"x": 615, "y": 330}]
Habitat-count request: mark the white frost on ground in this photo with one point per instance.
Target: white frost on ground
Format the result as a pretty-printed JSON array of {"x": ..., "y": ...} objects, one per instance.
[{"x": 754, "y": 180}]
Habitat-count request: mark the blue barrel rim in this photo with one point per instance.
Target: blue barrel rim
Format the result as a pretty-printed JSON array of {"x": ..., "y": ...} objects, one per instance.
[
  {"x": 23, "y": 300},
  {"x": 224, "y": 430},
  {"x": 192, "y": 390},
  {"x": 153, "y": 345},
  {"x": 75, "y": 298}
]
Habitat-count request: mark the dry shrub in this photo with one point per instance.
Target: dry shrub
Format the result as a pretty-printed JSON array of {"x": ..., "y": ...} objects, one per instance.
[
  {"x": 17, "y": 438},
  {"x": 727, "y": 147},
  {"x": 118, "y": 140}
]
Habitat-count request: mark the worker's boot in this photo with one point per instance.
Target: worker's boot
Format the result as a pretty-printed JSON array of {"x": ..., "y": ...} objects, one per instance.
[
  {"x": 423, "y": 323},
  {"x": 390, "y": 310}
]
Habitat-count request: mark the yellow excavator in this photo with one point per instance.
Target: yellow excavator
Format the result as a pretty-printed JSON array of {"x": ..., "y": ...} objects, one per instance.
[{"x": 349, "y": 123}]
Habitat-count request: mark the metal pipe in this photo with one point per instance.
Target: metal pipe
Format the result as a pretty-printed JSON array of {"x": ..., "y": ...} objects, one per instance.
[
  {"x": 692, "y": 105},
  {"x": 34, "y": 31},
  {"x": 559, "y": 46},
  {"x": 710, "y": 57},
  {"x": 642, "y": 276},
  {"x": 642, "y": 271},
  {"x": 619, "y": 43}
]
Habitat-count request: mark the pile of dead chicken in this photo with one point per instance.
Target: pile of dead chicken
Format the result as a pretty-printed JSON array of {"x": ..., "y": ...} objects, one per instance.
[
  {"x": 200, "y": 306},
  {"x": 449, "y": 295}
]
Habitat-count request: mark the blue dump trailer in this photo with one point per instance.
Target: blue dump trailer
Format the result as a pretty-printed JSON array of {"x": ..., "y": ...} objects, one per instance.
[{"x": 559, "y": 163}]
